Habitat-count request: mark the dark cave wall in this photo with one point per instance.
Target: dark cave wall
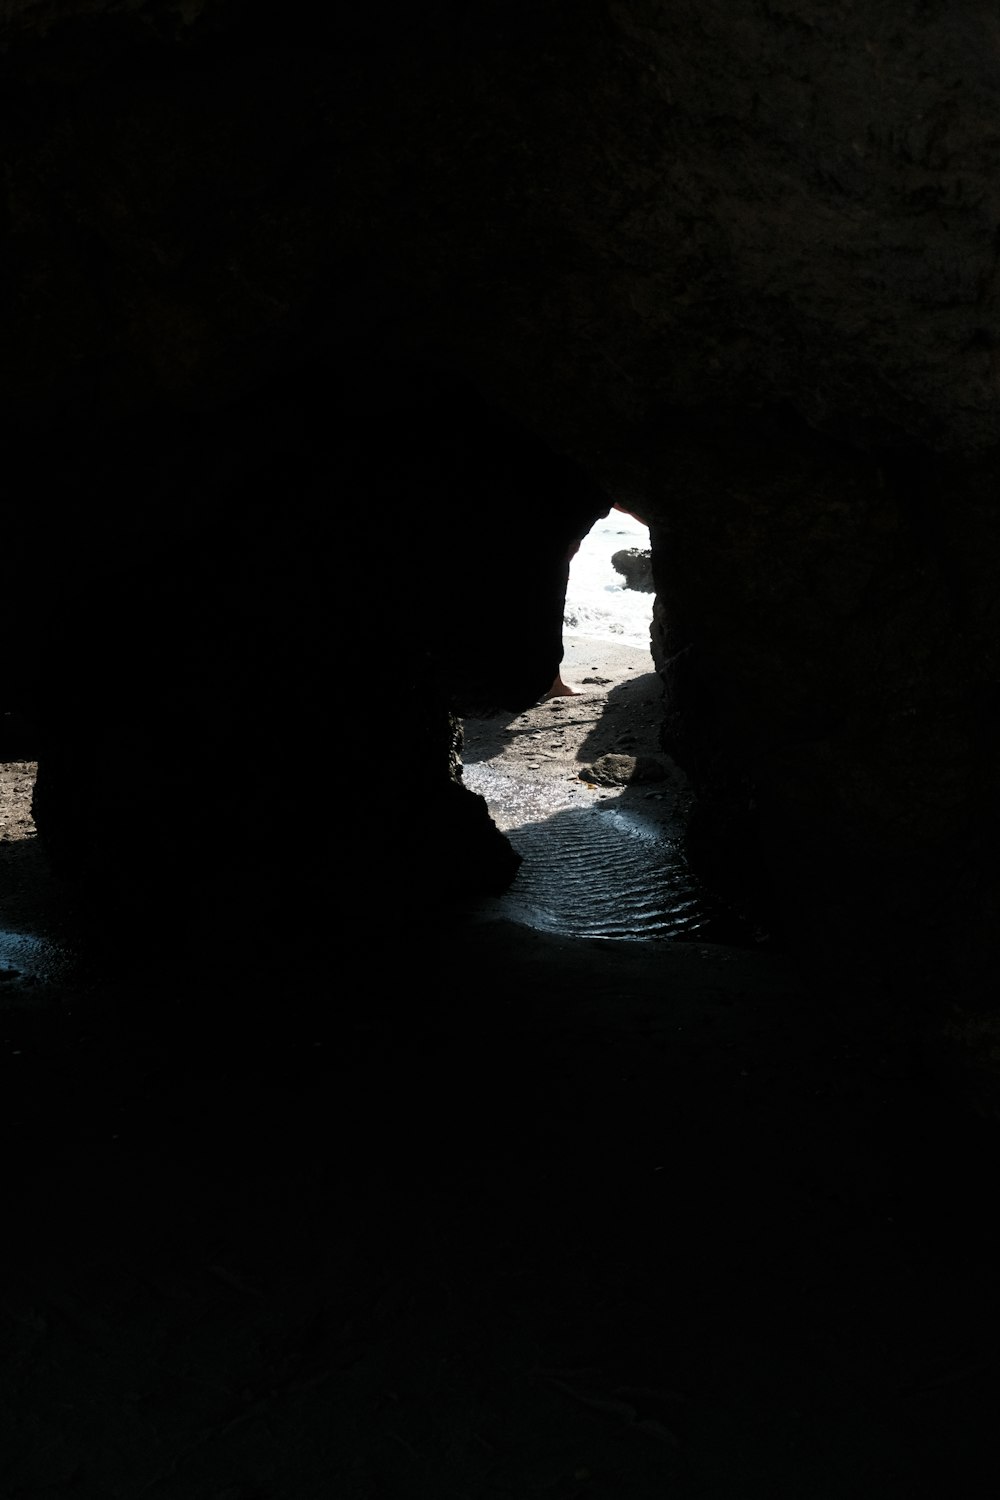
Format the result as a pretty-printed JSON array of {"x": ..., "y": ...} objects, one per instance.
[
  {"x": 602, "y": 211},
  {"x": 251, "y": 631},
  {"x": 836, "y": 703},
  {"x": 733, "y": 265}
]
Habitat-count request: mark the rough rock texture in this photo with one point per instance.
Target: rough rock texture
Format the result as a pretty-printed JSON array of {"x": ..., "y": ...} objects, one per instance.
[
  {"x": 734, "y": 265},
  {"x": 635, "y": 566},
  {"x": 623, "y": 770}
]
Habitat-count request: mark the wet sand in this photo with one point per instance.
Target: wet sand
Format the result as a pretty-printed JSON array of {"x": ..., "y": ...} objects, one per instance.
[
  {"x": 617, "y": 710},
  {"x": 594, "y": 805}
]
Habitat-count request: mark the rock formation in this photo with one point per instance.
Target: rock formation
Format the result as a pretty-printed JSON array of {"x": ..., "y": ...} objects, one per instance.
[
  {"x": 733, "y": 265},
  {"x": 636, "y": 567}
]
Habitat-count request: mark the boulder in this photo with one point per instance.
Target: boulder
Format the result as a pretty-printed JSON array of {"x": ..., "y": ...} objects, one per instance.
[{"x": 635, "y": 564}]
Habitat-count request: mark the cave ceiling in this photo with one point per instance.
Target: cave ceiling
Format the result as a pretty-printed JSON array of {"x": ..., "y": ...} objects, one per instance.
[{"x": 608, "y": 216}]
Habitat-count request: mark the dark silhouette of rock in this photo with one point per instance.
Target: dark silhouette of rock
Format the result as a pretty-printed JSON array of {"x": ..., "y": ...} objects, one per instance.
[{"x": 636, "y": 567}]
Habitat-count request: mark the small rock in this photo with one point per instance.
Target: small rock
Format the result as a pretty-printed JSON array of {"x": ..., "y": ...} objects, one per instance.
[{"x": 623, "y": 770}]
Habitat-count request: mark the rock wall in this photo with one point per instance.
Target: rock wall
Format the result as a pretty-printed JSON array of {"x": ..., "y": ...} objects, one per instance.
[{"x": 731, "y": 264}]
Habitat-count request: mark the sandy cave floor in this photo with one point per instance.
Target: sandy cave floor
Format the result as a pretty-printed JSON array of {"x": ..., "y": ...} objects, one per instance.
[
  {"x": 596, "y": 1218},
  {"x": 587, "y": 796}
]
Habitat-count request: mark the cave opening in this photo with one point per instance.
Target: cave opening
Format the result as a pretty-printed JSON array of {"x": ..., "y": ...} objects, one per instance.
[
  {"x": 580, "y": 782},
  {"x": 232, "y": 613}
]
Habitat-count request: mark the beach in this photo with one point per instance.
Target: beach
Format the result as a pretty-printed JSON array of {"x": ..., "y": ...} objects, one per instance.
[
  {"x": 591, "y": 802},
  {"x": 617, "y": 710}
]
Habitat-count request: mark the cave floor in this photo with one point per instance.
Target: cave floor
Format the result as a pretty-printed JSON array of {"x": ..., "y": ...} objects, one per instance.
[
  {"x": 483, "y": 1212},
  {"x": 586, "y": 794}
]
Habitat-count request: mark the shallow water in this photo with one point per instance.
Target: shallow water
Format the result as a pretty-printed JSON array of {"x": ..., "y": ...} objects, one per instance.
[
  {"x": 594, "y": 873},
  {"x": 28, "y": 959},
  {"x": 599, "y": 869}
]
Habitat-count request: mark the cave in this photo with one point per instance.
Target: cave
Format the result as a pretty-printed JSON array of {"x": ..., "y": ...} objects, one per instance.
[{"x": 321, "y": 1179}]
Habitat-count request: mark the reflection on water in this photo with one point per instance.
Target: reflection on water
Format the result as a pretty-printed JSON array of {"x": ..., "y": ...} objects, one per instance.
[
  {"x": 26, "y": 958},
  {"x": 593, "y": 873},
  {"x": 515, "y": 801},
  {"x": 598, "y": 868}
]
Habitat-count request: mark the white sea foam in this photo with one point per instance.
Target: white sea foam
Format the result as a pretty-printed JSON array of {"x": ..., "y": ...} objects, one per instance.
[{"x": 597, "y": 602}]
